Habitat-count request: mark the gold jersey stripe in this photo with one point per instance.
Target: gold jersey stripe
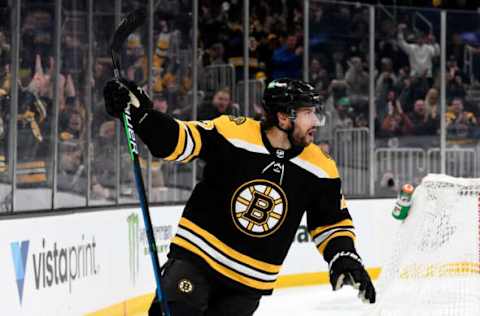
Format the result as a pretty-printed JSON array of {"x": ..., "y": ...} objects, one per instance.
[
  {"x": 197, "y": 141},
  {"x": 261, "y": 285},
  {"x": 321, "y": 246},
  {"x": 257, "y": 264},
  {"x": 249, "y": 131},
  {"x": 181, "y": 143},
  {"x": 314, "y": 156},
  {"x": 317, "y": 231}
]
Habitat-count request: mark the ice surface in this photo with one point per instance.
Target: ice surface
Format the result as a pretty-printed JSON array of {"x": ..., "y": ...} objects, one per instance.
[{"x": 312, "y": 300}]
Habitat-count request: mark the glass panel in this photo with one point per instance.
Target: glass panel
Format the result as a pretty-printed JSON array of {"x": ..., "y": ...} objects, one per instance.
[
  {"x": 172, "y": 92},
  {"x": 5, "y": 94},
  {"x": 134, "y": 68},
  {"x": 339, "y": 56},
  {"x": 463, "y": 95},
  {"x": 221, "y": 58},
  {"x": 35, "y": 106},
  {"x": 103, "y": 190},
  {"x": 407, "y": 92},
  {"x": 72, "y": 177},
  {"x": 275, "y": 50}
]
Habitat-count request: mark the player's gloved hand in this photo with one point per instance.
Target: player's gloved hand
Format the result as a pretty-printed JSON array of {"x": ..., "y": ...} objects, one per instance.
[
  {"x": 346, "y": 268},
  {"x": 122, "y": 93}
]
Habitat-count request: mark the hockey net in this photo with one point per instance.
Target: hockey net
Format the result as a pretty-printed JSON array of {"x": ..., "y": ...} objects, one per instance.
[{"x": 434, "y": 268}]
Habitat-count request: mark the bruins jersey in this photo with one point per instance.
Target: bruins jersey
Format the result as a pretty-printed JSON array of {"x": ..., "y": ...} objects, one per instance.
[{"x": 242, "y": 217}]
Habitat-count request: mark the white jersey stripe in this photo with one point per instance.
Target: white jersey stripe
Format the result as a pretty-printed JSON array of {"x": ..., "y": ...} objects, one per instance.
[
  {"x": 248, "y": 146},
  {"x": 190, "y": 144},
  {"x": 319, "y": 172},
  {"x": 322, "y": 237},
  {"x": 222, "y": 258}
]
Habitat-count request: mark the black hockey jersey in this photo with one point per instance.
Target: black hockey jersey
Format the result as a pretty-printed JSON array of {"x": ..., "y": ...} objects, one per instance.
[{"x": 243, "y": 216}]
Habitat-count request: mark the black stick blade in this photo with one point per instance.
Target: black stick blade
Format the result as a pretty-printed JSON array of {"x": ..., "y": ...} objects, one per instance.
[{"x": 127, "y": 26}]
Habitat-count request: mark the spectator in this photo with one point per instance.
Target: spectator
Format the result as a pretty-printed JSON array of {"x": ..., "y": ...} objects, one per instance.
[
  {"x": 101, "y": 73},
  {"x": 357, "y": 77},
  {"x": 216, "y": 54},
  {"x": 387, "y": 79},
  {"x": 432, "y": 103},
  {"x": 31, "y": 119},
  {"x": 461, "y": 125},
  {"x": 422, "y": 122},
  {"x": 36, "y": 36},
  {"x": 5, "y": 82},
  {"x": 414, "y": 88},
  {"x": 343, "y": 116},
  {"x": 387, "y": 45},
  {"x": 4, "y": 50},
  {"x": 396, "y": 122},
  {"x": 339, "y": 65},
  {"x": 103, "y": 179},
  {"x": 254, "y": 63},
  {"x": 160, "y": 103},
  {"x": 456, "y": 48},
  {"x": 361, "y": 120},
  {"x": 135, "y": 59},
  {"x": 221, "y": 104},
  {"x": 167, "y": 43},
  {"x": 455, "y": 81},
  {"x": 383, "y": 105},
  {"x": 287, "y": 60},
  {"x": 72, "y": 55},
  {"x": 74, "y": 127},
  {"x": 420, "y": 54},
  {"x": 265, "y": 51},
  {"x": 319, "y": 77},
  {"x": 164, "y": 79},
  {"x": 134, "y": 50},
  {"x": 71, "y": 170}
]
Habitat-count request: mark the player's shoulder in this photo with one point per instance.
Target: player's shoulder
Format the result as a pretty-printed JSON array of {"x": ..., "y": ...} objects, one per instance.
[
  {"x": 314, "y": 159},
  {"x": 239, "y": 128},
  {"x": 229, "y": 122}
]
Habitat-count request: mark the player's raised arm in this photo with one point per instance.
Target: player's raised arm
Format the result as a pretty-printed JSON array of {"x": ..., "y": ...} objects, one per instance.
[{"x": 164, "y": 136}]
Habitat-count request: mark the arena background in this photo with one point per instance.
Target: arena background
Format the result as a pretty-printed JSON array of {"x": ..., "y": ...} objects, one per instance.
[{"x": 61, "y": 155}]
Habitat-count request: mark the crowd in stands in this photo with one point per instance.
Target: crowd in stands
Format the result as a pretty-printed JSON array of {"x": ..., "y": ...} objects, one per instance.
[{"x": 407, "y": 76}]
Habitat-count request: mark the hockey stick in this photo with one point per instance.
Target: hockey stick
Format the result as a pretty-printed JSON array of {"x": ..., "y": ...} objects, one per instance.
[{"x": 126, "y": 27}]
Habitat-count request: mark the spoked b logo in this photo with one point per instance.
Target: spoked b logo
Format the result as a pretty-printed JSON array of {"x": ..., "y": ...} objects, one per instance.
[{"x": 259, "y": 208}]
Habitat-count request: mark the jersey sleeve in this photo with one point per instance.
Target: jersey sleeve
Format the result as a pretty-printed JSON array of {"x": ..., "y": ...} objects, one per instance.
[
  {"x": 329, "y": 222},
  {"x": 175, "y": 140}
]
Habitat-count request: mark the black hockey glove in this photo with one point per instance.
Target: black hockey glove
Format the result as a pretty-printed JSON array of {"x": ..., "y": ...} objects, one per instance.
[
  {"x": 120, "y": 94},
  {"x": 346, "y": 268}
]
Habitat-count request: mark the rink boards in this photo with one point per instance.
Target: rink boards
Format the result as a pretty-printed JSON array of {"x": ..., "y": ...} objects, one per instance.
[{"x": 96, "y": 263}]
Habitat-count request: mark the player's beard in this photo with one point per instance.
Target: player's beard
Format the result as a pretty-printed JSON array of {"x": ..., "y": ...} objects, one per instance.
[{"x": 303, "y": 138}]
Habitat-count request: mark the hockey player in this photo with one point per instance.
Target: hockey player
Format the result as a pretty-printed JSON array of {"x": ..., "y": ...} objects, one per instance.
[{"x": 240, "y": 220}]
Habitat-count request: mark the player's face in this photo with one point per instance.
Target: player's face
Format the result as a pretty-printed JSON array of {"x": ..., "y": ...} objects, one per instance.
[{"x": 306, "y": 125}]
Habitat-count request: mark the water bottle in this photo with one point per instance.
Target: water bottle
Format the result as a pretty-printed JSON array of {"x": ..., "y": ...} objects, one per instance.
[{"x": 404, "y": 202}]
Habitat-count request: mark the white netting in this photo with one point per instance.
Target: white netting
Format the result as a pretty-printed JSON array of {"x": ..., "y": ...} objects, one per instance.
[{"x": 434, "y": 268}]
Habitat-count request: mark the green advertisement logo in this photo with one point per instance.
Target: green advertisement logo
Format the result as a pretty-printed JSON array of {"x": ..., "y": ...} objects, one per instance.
[{"x": 133, "y": 246}]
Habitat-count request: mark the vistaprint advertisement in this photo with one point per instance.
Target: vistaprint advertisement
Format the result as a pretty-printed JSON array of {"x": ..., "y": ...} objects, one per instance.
[{"x": 79, "y": 263}]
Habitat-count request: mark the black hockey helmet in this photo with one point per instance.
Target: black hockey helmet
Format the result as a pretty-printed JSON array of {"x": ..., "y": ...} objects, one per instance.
[{"x": 286, "y": 95}]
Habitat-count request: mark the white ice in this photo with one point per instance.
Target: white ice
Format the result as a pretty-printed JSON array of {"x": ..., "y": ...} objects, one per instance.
[{"x": 312, "y": 301}]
